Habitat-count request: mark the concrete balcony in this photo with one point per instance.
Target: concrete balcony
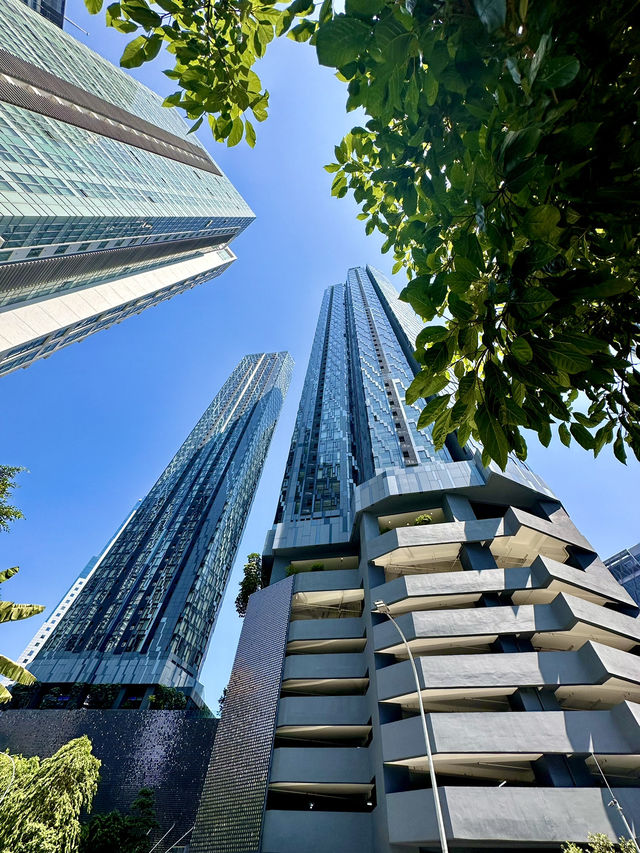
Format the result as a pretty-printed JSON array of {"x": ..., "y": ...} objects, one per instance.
[
  {"x": 326, "y": 674},
  {"x": 504, "y": 818},
  {"x": 315, "y": 831},
  {"x": 595, "y": 676},
  {"x": 296, "y": 769},
  {"x": 514, "y": 540},
  {"x": 325, "y": 580},
  {"x": 326, "y": 635},
  {"x": 565, "y": 623},
  {"x": 496, "y": 745},
  {"x": 540, "y": 583},
  {"x": 323, "y": 711}
]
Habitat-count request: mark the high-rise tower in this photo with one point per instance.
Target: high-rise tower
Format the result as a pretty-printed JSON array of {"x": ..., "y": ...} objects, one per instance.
[
  {"x": 107, "y": 205},
  {"x": 526, "y": 647},
  {"x": 51, "y": 9},
  {"x": 145, "y": 615},
  {"x": 625, "y": 567}
]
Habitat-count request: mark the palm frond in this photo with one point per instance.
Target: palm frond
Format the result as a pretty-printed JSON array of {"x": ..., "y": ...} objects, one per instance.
[
  {"x": 8, "y": 573},
  {"x": 5, "y": 696},
  {"x": 10, "y": 612},
  {"x": 12, "y": 670}
]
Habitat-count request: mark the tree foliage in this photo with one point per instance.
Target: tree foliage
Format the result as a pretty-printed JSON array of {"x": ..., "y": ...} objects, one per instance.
[
  {"x": 125, "y": 833},
  {"x": 10, "y": 612},
  {"x": 250, "y": 583},
  {"x": 8, "y": 513},
  {"x": 500, "y": 163},
  {"x": 40, "y": 813},
  {"x": 600, "y": 843}
]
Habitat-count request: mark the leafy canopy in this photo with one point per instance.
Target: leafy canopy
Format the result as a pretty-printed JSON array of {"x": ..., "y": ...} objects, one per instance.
[
  {"x": 500, "y": 164},
  {"x": 8, "y": 513},
  {"x": 125, "y": 833},
  {"x": 250, "y": 583},
  {"x": 10, "y": 612},
  {"x": 40, "y": 813},
  {"x": 599, "y": 843}
]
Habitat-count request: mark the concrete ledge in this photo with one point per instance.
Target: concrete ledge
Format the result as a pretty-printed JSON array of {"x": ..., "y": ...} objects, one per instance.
[
  {"x": 502, "y": 817},
  {"x": 340, "y": 765},
  {"x": 316, "y": 832},
  {"x": 323, "y": 711}
]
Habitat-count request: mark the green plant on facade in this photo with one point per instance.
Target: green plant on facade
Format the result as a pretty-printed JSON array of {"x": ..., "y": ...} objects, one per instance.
[
  {"x": 499, "y": 162},
  {"x": 125, "y": 833},
  {"x": 250, "y": 583},
  {"x": 425, "y": 518},
  {"x": 599, "y": 843},
  {"x": 297, "y": 570},
  {"x": 40, "y": 812},
  {"x": 10, "y": 612},
  {"x": 167, "y": 699}
]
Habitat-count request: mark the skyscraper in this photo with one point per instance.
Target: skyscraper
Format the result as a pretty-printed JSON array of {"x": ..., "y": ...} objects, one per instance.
[
  {"x": 44, "y": 632},
  {"x": 51, "y": 9},
  {"x": 146, "y": 613},
  {"x": 526, "y": 647},
  {"x": 107, "y": 205},
  {"x": 625, "y": 567}
]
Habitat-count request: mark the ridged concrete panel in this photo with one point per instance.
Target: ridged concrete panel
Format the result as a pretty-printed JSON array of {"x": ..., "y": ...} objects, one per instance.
[
  {"x": 592, "y": 664},
  {"x": 316, "y": 831},
  {"x": 342, "y": 765},
  {"x": 613, "y": 732},
  {"x": 323, "y": 711},
  {"x": 509, "y": 816},
  {"x": 542, "y": 574},
  {"x": 326, "y": 629},
  {"x": 326, "y": 580},
  {"x": 325, "y": 666},
  {"x": 561, "y": 615}
]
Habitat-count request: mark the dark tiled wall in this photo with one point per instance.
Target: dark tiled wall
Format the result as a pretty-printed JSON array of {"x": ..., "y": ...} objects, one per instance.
[
  {"x": 231, "y": 810},
  {"x": 164, "y": 750}
]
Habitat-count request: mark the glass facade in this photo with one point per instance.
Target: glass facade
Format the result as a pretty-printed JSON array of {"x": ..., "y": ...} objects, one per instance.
[
  {"x": 97, "y": 179},
  {"x": 625, "y": 567},
  {"x": 147, "y": 611},
  {"x": 51, "y": 9},
  {"x": 353, "y": 421}
]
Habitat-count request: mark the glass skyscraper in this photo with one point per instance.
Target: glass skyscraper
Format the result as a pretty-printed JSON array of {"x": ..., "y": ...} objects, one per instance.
[
  {"x": 526, "y": 647},
  {"x": 51, "y": 9},
  {"x": 625, "y": 567},
  {"x": 107, "y": 205},
  {"x": 146, "y": 613}
]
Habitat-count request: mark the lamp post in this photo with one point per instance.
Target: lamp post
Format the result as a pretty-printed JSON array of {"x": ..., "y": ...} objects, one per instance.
[{"x": 381, "y": 607}]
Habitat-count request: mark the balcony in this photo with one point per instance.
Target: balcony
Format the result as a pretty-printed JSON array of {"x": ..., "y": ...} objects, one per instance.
[
  {"x": 539, "y": 584},
  {"x": 515, "y": 539},
  {"x": 500, "y": 746},
  {"x": 325, "y": 674},
  {"x": 315, "y": 636},
  {"x": 508, "y": 817},
  {"x": 566, "y": 623},
  {"x": 312, "y": 831},
  {"x": 323, "y": 719},
  {"x": 593, "y": 677}
]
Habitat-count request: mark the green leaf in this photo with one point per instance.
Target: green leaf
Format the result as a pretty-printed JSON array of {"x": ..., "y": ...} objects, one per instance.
[
  {"x": 492, "y": 436},
  {"x": 431, "y": 334},
  {"x": 363, "y": 8},
  {"x": 8, "y": 573},
  {"x": 433, "y": 408},
  {"x": 134, "y": 53},
  {"x": 570, "y": 362},
  {"x": 582, "y": 436},
  {"x": 460, "y": 309},
  {"x": 250, "y": 133},
  {"x": 13, "y": 671},
  {"x": 558, "y": 72},
  {"x": 142, "y": 14},
  {"x": 565, "y": 435},
  {"x": 10, "y": 612},
  {"x": 521, "y": 350},
  {"x": 540, "y": 223},
  {"x": 430, "y": 87},
  {"x": 619, "y": 450},
  {"x": 492, "y": 13},
  {"x": 237, "y": 129},
  {"x": 93, "y": 6},
  {"x": 340, "y": 41}
]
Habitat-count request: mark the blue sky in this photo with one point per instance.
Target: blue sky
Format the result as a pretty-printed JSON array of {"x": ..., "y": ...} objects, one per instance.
[{"x": 97, "y": 423}]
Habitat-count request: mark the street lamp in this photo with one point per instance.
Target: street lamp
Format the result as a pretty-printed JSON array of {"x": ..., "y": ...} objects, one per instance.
[{"x": 381, "y": 607}]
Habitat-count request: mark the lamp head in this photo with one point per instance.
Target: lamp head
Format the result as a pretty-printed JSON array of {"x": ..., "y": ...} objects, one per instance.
[{"x": 379, "y": 606}]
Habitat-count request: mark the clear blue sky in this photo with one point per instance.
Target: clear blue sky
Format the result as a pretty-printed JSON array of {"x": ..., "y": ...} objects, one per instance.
[{"x": 97, "y": 423}]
